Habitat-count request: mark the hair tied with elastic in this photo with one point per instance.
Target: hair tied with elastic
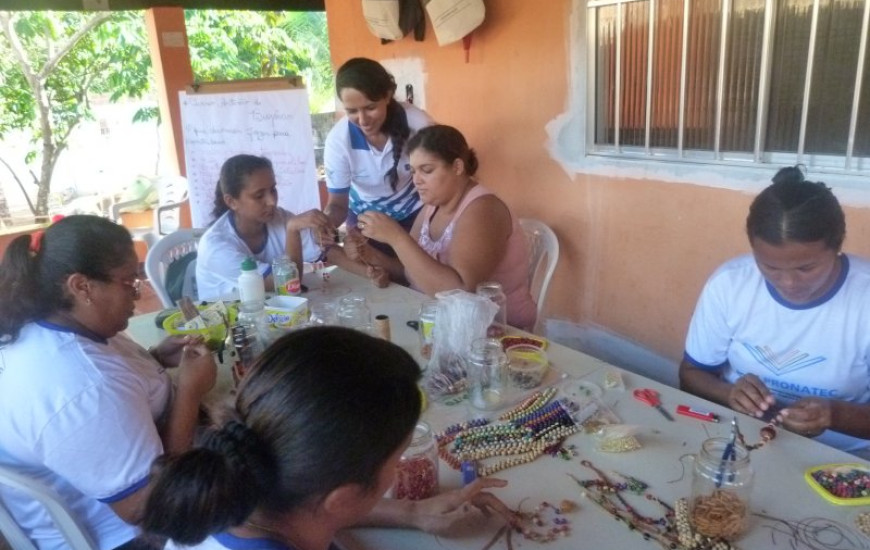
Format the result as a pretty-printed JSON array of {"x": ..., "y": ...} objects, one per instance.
[{"x": 36, "y": 238}]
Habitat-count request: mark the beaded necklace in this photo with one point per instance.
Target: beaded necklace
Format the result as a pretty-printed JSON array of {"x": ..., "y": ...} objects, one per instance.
[
  {"x": 671, "y": 531},
  {"x": 533, "y": 427}
]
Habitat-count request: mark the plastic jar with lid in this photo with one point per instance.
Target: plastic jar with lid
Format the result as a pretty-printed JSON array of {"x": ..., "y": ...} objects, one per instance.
[
  {"x": 417, "y": 470},
  {"x": 721, "y": 486},
  {"x": 494, "y": 292}
]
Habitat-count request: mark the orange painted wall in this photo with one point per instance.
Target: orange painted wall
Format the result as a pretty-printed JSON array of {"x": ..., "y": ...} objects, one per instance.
[{"x": 635, "y": 253}]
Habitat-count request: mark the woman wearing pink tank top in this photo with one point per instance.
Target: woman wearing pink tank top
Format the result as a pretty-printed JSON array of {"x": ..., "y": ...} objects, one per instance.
[{"x": 464, "y": 234}]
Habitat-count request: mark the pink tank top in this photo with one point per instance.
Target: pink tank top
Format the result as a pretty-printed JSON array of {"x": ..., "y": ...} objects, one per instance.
[{"x": 512, "y": 272}]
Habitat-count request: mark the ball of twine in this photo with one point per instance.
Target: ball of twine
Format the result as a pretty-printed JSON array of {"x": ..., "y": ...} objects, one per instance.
[{"x": 721, "y": 514}]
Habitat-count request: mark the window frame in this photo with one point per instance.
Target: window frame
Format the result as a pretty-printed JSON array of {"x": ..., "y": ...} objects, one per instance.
[{"x": 581, "y": 154}]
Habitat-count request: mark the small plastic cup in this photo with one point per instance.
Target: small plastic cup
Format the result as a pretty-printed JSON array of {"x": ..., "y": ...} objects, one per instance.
[{"x": 527, "y": 366}]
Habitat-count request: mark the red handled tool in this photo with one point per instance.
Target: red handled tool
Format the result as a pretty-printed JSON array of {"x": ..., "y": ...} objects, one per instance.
[
  {"x": 698, "y": 414},
  {"x": 651, "y": 398}
]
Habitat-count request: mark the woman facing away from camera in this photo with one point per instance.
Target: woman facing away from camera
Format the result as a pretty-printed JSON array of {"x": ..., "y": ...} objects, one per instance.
[
  {"x": 365, "y": 154},
  {"x": 84, "y": 409},
  {"x": 464, "y": 235},
  {"x": 297, "y": 460},
  {"x": 788, "y": 326}
]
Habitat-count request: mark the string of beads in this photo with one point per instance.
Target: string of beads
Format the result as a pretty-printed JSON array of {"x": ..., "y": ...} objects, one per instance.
[{"x": 532, "y": 428}]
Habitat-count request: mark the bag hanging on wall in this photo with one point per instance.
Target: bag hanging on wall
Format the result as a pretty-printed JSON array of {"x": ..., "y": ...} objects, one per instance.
[
  {"x": 454, "y": 19},
  {"x": 382, "y": 18}
]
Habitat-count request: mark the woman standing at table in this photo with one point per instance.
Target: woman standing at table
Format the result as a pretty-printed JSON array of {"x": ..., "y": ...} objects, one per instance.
[
  {"x": 464, "y": 235},
  {"x": 365, "y": 157},
  {"x": 289, "y": 477},
  {"x": 789, "y": 325},
  {"x": 83, "y": 408}
]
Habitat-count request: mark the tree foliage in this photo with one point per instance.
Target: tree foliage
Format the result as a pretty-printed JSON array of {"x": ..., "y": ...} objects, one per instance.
[
  {"x": 231, "y": 45},
  {"x": 53, "y": 64}
]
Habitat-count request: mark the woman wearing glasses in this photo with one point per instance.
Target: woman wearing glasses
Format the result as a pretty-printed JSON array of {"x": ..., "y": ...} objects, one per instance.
[{"x": 83, "y": 408}]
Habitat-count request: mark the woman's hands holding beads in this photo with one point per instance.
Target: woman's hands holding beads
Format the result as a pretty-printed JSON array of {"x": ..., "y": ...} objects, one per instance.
[
  {"x": 169, "y": 351},
  {"x": 453, "y": 512},
  {"x": 809, "y": 416},
  {"x": 198, "y": 371},
  {"x": 749, "y": 395},
  {"x": 380, "y": 227}
]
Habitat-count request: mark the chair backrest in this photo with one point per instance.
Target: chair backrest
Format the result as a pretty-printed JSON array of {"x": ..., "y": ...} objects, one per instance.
[
  {"x": 163, "y": 253},
  {"x": 172, "y": 193},
  {"x": 76, "y": 537},
  {"x": 543, "y": 257}
]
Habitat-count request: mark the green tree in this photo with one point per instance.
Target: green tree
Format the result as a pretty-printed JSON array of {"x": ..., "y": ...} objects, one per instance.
[
  {"x": 53, "y": 64},
  {"x": 231, "y": 45}
]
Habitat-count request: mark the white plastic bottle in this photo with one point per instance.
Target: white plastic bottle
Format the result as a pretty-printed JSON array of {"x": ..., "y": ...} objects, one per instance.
[{"x": 252, "y": 290}]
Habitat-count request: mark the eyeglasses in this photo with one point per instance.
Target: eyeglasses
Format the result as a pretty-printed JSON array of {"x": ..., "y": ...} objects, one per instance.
[{"x": 135, "y": 284}]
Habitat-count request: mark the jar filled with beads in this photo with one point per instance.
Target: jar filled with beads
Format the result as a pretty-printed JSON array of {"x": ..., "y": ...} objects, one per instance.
[
  {"x": 721, "y": 486},
  {"x": 417, "y": 470}
]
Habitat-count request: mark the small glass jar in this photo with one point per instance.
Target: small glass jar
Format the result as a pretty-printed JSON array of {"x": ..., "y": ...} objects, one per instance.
[
  {"x": 721, "y": 487},
  {"x": 285, "y": 277},
  {"x": 494, "y": 292},
  {"x": 487, "y": 374},
  {"x": 353, "y": 312},
  {"x": 417, "y": 470},
  {"x": 323, "y": 313}
]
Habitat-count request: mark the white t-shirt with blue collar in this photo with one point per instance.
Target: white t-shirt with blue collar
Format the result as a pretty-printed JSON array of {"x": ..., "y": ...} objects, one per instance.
[
  {"x": 228, "y": 541},
  {"x": 352, "y": 166},
  {"x": 81, "y": 416},
  {"x": 742, "y": 325},
  {"x": 221, "y": 251}
]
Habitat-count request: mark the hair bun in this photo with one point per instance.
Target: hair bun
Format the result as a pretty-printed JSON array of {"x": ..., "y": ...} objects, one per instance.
[{"x": 241, "y": 447}]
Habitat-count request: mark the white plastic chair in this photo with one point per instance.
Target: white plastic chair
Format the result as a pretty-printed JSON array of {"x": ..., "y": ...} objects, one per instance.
[
  {"x": 76, "y": 537},
  {"x": 171, "y": 196},
  {"x": 543, "y": 257},
  {"x": 163, "y": 253}
]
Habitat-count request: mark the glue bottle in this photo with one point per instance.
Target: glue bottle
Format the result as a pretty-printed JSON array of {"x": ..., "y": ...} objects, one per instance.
[{"x": 252, "y": 290}]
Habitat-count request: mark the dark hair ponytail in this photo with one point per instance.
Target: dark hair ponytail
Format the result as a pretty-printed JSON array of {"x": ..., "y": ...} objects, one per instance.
[
  {"x": 232, "y": 179},
  {"x": 375, "y": 82},
  {"x": 396, "y": 126},
  {"x": 794, "y": 209},
  {"x": 322, "y": 408},
  {"x": 32, "y": 281},
  {"x": 209, "y": 489}
]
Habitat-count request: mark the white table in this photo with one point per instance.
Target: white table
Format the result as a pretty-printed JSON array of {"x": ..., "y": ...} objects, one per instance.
[{"x": 780, "y": 489}]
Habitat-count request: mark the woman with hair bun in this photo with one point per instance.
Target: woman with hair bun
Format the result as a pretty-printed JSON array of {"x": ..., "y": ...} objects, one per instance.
[
  {"x": 788, "y": 326},
  {"x": 365, "y": 154},
  {"x": 297, "y": 460},
  {"x": 464, "y": 235},
  {"x": 83, "y": 408}
]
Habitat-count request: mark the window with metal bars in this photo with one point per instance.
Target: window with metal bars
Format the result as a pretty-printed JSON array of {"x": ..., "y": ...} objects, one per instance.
[{"x": 731, "y": 81}]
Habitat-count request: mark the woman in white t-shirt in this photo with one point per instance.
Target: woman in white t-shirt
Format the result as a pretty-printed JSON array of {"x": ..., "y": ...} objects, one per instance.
[
  {"x": 308, "y": 448},
  {"x": 249, "y": 223},
  {"x": 365, "y": 157},
  {"x": 83, "y": 408},
  {"x": 788, "y": 326}
]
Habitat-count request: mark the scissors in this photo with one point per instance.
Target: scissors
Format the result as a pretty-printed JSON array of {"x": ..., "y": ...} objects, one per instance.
[{"x": 651, "y": 398}]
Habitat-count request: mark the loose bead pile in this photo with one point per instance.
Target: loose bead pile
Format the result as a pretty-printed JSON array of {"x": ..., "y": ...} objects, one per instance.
[
  {"x": 526, "y": 522},
  {"x": 862, "y": 522},
  {"x": 842, "y": 483},
  {"x": 533, "y": 427}
]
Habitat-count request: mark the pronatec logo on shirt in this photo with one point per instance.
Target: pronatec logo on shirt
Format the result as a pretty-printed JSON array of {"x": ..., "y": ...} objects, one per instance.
[{"x": 785, "y": 362}]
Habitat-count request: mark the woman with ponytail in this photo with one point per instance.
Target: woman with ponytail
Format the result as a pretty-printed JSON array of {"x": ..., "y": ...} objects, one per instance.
[
  {"x": 297, "y": 460},
  {"x": 365, "y": 155},
  {"x": 83, "y": 408}
]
